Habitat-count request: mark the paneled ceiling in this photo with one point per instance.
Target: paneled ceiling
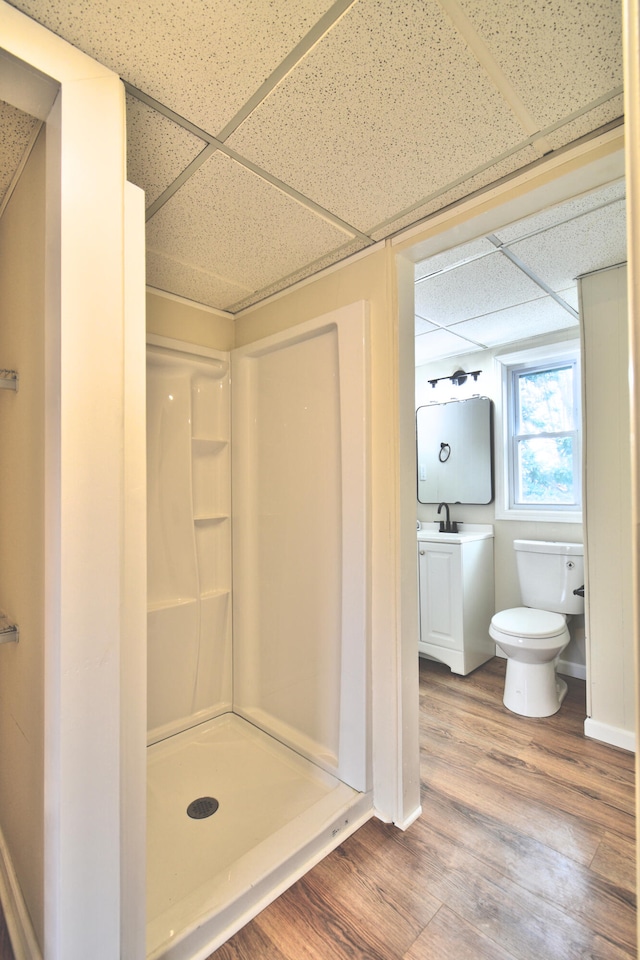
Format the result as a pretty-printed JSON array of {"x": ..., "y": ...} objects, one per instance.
[
  {"x": 519, "y": 282},
  {"x": 273, "y": 138},
  {"x": 17, "y": 133}
]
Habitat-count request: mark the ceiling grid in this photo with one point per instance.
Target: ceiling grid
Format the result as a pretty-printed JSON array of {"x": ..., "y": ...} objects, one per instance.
[
  {"x": 275, "y": 139},
  {"x": 468, "y": 299}
]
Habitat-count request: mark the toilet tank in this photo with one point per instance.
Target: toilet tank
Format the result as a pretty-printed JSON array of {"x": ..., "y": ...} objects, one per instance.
[{"x": 549, "y": 572}]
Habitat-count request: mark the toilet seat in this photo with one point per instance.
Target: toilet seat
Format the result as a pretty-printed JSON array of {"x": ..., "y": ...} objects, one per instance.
[{"x": 529, "y": 622}]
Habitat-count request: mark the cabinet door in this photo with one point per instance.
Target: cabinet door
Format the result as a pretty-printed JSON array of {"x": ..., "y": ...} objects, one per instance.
[{"x": 440, "y": 595}]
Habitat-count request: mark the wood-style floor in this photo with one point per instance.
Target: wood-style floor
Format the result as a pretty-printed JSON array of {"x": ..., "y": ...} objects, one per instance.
[{"x": 524, "y": 850}]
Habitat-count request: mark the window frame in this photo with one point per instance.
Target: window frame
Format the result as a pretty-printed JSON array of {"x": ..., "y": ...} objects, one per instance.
[{"x": 510, "y": 366}]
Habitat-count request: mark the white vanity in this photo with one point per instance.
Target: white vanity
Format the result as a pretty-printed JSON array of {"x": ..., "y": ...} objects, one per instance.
[{"x": 456, "y": 595}]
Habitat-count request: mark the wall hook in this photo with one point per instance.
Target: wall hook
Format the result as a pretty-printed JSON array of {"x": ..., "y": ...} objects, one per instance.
[
  {"x": 8, "y": 380},
  {"x": 8, "y": 631}
]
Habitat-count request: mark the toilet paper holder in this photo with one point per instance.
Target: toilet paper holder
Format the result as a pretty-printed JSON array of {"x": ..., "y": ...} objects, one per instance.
[{"x": 9, "y": 631}]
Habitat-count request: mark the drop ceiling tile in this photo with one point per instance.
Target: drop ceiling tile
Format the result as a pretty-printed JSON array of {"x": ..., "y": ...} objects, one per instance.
[
  {"x": 424, "y": 326},
  {"x": 158, "y": 149},
  {"x": 511, "y": 164},
  {"x": 570, "y": 295},
  {"x": 590, "y": 242},
  {"x": 203, "y": 58},
  {"x": 173, "y": 276},
  {"x": 454, "y": 257},
  {"x": 473, "y": 290},
  {"x": 520, "y": 322},
  {"x": 16, "y": 130},
  {"x": 439, "y": 344},
  {"x": 559, "y": 56},
  {"x": 346, "y": 250},
  {"x": 611, "y": 110},
  {"x": 227, "y": 221},
  {"x": 389, "y": 107},
  {"x": 562, "y": 212}
]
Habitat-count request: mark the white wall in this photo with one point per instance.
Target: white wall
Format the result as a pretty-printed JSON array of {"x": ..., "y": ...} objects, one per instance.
[
  {"x": 631, "y": 43},
  {"x": 609, "y": 578},
  {"x": 22, "y": 239},
  {"x": 180, "y": 319},
  {"x": 85, "y": 536},
  {"x": 133, "y": 650}
]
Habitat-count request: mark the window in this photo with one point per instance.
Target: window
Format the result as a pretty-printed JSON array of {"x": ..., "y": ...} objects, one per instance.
[{"x": 542, "y": 449}]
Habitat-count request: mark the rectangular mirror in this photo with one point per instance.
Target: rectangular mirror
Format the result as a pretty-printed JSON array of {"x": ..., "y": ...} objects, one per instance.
[{"x": 454, "y": 447}]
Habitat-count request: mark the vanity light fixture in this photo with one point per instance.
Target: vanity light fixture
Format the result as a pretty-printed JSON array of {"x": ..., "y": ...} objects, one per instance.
[{"x": 458, "y": 378}]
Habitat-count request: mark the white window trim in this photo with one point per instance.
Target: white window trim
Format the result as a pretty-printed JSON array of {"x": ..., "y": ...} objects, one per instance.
[{"x": 502, "y": 363}]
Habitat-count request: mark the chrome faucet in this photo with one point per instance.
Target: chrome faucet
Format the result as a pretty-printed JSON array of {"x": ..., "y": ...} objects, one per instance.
[{"x": 447, "y": 526}]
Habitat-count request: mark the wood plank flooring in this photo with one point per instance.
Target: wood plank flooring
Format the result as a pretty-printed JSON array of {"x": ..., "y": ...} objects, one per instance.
[{"x": 524, "y": 850}]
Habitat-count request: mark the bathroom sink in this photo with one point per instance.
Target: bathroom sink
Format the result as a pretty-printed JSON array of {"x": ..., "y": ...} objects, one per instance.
[{"x": 463, "y": 536}]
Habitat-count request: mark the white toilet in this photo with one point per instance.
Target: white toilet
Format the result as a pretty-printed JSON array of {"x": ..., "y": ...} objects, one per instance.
[{"x": 533, "y": 636}]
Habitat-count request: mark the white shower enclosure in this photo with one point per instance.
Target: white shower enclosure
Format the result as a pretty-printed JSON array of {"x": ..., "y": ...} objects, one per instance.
[
  {"x": 258, "y": 646},
  {"x": 189, "y": 539}
]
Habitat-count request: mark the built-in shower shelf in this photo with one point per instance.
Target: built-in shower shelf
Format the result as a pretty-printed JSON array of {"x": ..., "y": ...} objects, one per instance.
[
  {"x": 212, "y": 594},
  {"x": 8, "y": 380},
  {"x": 205, "y": 445},
  {"x": 169, "y": 603},
  {"x": 211, "y": 518},
  {"x": 9, "y": 632}
]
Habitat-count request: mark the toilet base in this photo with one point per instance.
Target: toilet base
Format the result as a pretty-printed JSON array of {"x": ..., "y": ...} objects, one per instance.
[{"x": 533, "y": 689}]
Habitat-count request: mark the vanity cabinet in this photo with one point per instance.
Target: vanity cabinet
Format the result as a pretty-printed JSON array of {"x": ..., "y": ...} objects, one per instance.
[{"x": 456, "y": 590}]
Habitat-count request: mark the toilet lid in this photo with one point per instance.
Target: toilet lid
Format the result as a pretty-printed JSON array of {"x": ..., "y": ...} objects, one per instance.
[{"x": 528, "y": 622}]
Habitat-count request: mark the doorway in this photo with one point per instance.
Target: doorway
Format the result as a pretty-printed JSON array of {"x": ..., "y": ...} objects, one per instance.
[{"x": 459, "y": 243}]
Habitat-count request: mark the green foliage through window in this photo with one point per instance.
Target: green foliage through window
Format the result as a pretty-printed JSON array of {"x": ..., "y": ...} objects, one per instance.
[{"x": 545, "y": 455}]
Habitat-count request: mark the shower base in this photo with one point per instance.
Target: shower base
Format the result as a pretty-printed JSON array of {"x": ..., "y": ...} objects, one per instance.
[{"x": 277, "y": 815}]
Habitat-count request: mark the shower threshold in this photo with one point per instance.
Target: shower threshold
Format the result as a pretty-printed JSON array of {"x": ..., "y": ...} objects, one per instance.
[{"x": 275, "y": 815}]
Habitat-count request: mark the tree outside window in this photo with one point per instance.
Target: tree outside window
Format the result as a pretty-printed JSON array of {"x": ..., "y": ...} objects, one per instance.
[{"x": 545, "y": 435}]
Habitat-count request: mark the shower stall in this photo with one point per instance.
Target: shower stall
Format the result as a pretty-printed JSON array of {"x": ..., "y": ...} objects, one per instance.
[{"x": 259, "y": 725}]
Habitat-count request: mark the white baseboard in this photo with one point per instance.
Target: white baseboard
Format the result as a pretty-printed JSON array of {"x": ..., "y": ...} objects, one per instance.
[
  {"x": 569, "y": 669},
  {"x": 406, "y": 823},
  {"x": 23, "y": 939},
  {"x": 616, "y": 736}
]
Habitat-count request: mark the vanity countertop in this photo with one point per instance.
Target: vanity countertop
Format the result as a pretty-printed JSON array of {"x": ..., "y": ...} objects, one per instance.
[{"x": 470, "y": 531}]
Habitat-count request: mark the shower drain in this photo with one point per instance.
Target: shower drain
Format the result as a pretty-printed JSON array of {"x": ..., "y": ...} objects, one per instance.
[{"x": 202, "y": 807}]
